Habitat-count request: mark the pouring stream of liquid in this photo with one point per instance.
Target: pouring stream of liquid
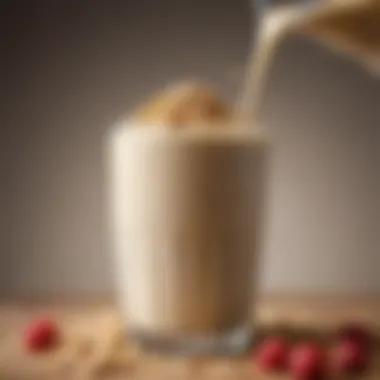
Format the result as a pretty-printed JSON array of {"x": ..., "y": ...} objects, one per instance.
[{"x": 351, "y": 27}]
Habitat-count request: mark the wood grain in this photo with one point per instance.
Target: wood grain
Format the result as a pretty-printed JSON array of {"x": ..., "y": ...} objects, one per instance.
[{"x": 84, "y": 354}]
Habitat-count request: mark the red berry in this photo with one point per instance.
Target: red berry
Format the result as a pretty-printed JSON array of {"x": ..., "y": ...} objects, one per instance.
[
  {"x": 349, "y": 357},
  {"x": 357, "y": 334},
  {"x": 272, "y": 355},
  {"x": 307, "y": 362},
  {"x": 41, "y": 335}
]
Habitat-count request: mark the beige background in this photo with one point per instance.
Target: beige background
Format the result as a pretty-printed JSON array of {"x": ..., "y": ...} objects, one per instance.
[{"x": 70, "y": 70}]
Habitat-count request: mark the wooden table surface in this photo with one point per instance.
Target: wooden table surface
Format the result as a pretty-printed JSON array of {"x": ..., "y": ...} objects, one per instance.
[{"x": 92, "y": 319}]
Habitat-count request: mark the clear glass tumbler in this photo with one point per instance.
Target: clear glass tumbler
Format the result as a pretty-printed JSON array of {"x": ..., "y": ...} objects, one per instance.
[{"x": 186, "y": 229}]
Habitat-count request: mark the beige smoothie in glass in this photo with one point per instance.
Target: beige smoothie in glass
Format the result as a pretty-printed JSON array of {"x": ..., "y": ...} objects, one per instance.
[{"x": 187, "y": 203}]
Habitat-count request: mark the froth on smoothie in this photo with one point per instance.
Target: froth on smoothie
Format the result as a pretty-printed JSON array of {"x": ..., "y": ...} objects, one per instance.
[{"x": 185, "y": 104}]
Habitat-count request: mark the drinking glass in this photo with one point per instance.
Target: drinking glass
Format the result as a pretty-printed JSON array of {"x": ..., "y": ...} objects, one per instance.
[{"x": 186, "y": 223}]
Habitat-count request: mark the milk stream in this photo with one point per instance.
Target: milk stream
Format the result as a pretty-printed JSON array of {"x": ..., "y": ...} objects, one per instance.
[{"x": 349, "y": 27}]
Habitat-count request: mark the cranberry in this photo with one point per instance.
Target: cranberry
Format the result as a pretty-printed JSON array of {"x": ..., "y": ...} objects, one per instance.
[
  {"x": 349, "y": 357},
  {"x": 41, "y": 335},
  {"x": 272, "y": 355},
  {"x": 307, "y": 362},
  {"x": 357, "y": 334}
]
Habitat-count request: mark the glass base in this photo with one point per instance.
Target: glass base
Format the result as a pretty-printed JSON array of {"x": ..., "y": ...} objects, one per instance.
[{"x": 232, "y": 343}]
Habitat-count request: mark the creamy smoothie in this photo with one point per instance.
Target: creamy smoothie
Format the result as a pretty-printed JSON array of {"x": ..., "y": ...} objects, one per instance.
[{"x": 187, "y": 211}]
